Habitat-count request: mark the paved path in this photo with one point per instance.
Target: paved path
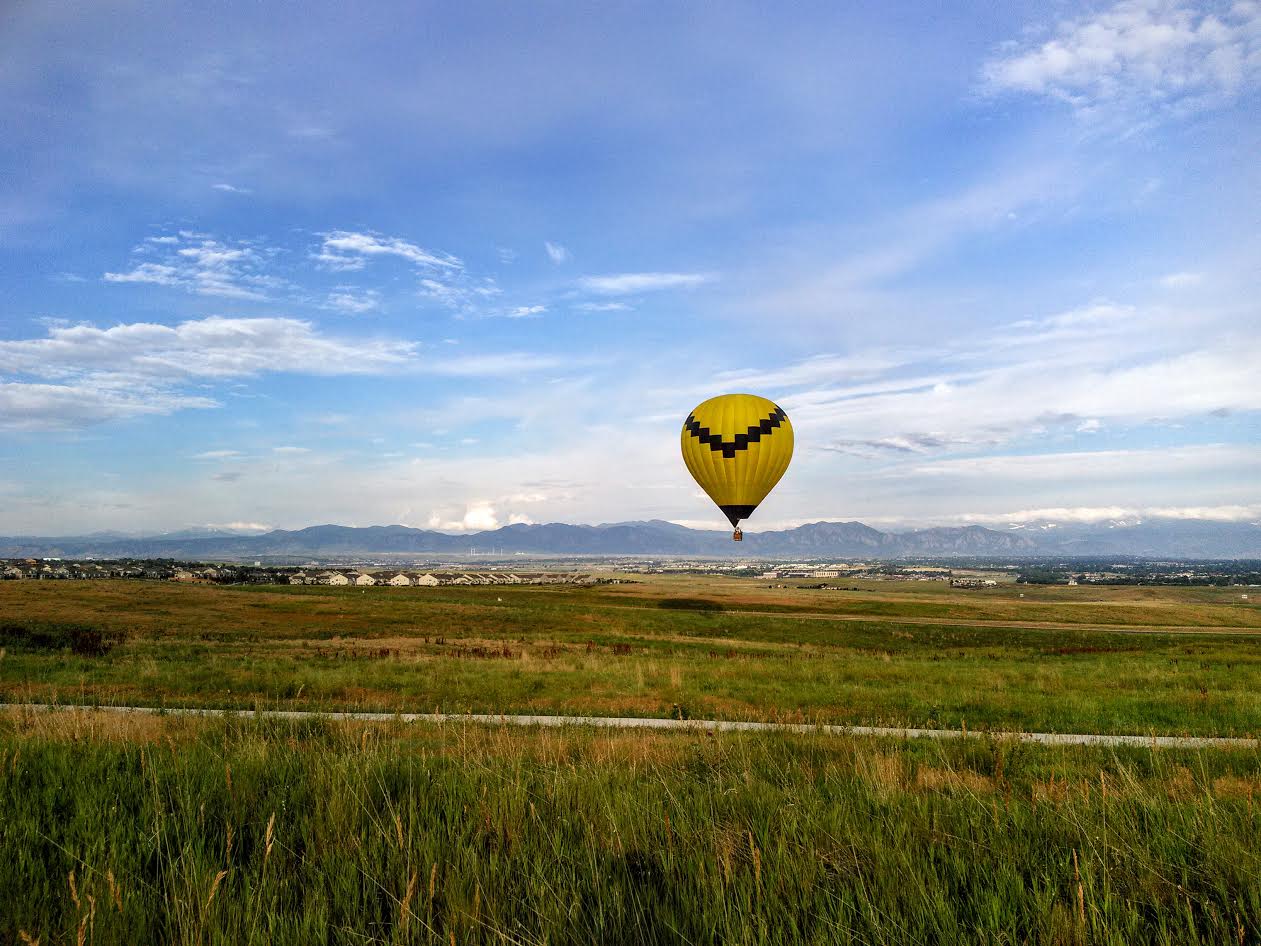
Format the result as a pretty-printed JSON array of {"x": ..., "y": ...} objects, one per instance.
[{"x": 694, "y": 725}]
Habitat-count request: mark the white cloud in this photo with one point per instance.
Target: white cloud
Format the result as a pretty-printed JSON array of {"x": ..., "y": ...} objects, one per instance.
[
  {"x": 290, "y": 451},
  {"x": 137, "y": 368},
  {"x": 555, "y": 252},
  {"x": 505, "y": 364},
  {"x": 346, "y": 250},
  {"x": 818, "y": 369},
  {"x": 231, "y": 189},
  {"x": 627, "y": 283},
  {"x": 213, "y": 347},
  {"x": 1103, "y": 365},
  {"x": 906, "y": 444},
  {"x": 198, "y": 263},
  {"x": 355, "y": 302},
  {"x": 478, "y": 517},
  {"x": 1181, "y": 280},
  {"x": 1154, "y": 53},
  {"x": 156, "y": 273},
  {"x": 1093, "y": 514},
  {"x": 525, "y": 311},
  {"x": 26, "y": 406},
  {"x": 218, "y": 455},
  {"x": 1091, "y": 316},
  {"x": 458, "y": 293},
  {"x": 1101, "y": 464},
  {"x": 602, "y": 307}
]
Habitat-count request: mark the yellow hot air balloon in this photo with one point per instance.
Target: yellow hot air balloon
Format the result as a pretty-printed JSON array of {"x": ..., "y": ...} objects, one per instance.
[{"x": 737, "y": 446}]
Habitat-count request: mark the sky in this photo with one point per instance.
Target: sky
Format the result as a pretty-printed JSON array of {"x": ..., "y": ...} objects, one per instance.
[{"x": 457, "y": 266}]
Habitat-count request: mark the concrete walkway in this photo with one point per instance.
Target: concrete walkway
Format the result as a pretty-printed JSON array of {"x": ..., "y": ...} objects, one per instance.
[{"x": 686, "y": 725}]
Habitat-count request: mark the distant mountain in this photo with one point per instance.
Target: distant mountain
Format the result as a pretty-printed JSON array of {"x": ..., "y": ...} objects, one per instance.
[
  {"x": 1149, "y": 538},
  {"x": 1156, "y": 538}
]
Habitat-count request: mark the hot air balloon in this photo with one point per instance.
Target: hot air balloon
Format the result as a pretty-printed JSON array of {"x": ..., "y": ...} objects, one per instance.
[{"x": 737, "y": 446}]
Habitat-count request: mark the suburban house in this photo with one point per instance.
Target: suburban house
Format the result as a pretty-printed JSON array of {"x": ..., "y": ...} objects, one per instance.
[
  {"x": 400, "y": 581},
  {"x": 364, "y": 580}
]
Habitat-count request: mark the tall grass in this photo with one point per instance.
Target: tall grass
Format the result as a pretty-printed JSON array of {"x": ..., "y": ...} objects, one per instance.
[{"x": 192, "y": 831}]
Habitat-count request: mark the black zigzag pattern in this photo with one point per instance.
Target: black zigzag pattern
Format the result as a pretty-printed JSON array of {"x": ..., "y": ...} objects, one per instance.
[{"x": 740, "y": 441}]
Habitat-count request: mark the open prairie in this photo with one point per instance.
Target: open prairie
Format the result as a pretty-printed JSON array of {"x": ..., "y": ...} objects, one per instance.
[
  {"x": 124, "y": 829},
  {"x": 177, "y": 830},
  {"x": 1066, "y": 659}
]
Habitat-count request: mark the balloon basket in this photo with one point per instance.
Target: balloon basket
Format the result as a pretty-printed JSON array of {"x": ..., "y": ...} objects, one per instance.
[{"x": 737, "y": 536}]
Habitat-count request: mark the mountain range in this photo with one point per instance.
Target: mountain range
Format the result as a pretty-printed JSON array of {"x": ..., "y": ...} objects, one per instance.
[{"x": 1152, "y": 538}]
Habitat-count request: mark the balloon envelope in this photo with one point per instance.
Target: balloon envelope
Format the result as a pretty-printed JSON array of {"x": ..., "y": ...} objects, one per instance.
[{"x": 737, "y": 446}]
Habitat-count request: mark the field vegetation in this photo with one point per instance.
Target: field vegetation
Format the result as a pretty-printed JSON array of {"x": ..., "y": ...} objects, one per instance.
[
  {"x": 1144, "y": 660},
  {"x": 176, "y": 830}
]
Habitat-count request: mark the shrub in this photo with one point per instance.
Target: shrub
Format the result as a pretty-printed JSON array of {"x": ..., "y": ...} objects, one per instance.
[{"x": 82, "y": 639}]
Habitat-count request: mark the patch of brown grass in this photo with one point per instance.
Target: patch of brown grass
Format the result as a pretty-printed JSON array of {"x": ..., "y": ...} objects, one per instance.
[
  {"x": 98, "y": 725},
  {"x": 932, "y": 779},
  {"x": 1233, "y": 786}
]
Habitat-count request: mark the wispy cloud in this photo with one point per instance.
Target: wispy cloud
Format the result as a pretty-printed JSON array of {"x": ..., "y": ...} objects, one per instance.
[
  {"x": 510, "y": 364},
  {"x": 201, "y": 264},
  {"x": 526, "y": 311},
  {"x": 354, "y": 301},
  {"x": 139, "y": 368},
  {"x": 555, "y": 252},
  {"x": 1158, "y": 54},
  {"x": 460, "y": 293},
  {"x": 1182, "y": 280},
  {"x": 602, "y": 307},
  {"x": 906, "y": 444},
  {"x": 1120, "y": 513},
  {"x": 1071, "y": 373},
  {"x": 28, "y": 406},
  {"x": 214, "y": 347},
  {"x": 217, "y": 455},
  {"x": 1102, "y": 464},
  {"x": 623, "y": 284},
  {"x": 231, "y": 189},
  {"x": 347, "y": 250}
]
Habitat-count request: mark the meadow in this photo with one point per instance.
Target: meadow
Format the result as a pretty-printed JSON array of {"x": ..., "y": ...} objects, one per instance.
[
  {"x": 166, "y": 829},
  {"x": 123, "y": 830},
  {"x": 1106, "y": 660}
]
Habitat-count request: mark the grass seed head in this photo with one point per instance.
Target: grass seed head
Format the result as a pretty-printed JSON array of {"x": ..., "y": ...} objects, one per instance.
[
  {"x": 405, "y": 908},
  {"x": 214, "y": 887},
  {"x": 269, "y": 837}
]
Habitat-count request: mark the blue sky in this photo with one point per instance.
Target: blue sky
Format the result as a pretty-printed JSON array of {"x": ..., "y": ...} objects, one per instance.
[{"x": 460, "y": 265}]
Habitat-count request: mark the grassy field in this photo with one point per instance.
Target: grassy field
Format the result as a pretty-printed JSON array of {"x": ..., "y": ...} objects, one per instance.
[
  {"x": 174, "y": 830},
  {"x": 121, "y": 830},
  {"x": 1145, "y": 660}
]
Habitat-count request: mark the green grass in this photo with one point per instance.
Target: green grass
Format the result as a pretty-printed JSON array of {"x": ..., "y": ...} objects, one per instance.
[
  {"x": 191, "y": 831},
  {"x": 674, "y": 647}
]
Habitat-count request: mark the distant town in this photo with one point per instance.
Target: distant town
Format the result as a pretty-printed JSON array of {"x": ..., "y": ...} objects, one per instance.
[{"x": 970, "y": 574}]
